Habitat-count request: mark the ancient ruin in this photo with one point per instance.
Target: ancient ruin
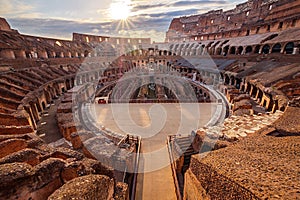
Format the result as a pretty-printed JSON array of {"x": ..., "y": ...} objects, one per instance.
[{"x": 234, "y": 74}]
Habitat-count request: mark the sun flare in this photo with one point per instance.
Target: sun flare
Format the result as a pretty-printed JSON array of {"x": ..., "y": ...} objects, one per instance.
[{"x": 120, "y": 10}]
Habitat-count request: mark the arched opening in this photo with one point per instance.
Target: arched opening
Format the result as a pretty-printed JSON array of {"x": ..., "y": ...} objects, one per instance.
[
  {"x": 276, "y": 48},
  {"x": 238, "y": 83},
  {"x": 28, "y": 54},
  {"x": 68, "y": 84},
  {"x": 260, "y": 95},
  {"x": 264, "y": 103},
  {"x": 266, "y": 49},
  {"x": 72, "y": 82},
  {"x": 44, "y": 105},
  {"x": 243, "y": 88},
  {"x": 248, "y": 49},
  {"x": 57, "y": 54},
  {"x": 257, "y": 48},
  {"x": 219, "y": 51},
  {"x": 225, "y": 50},
  {"x": 86, "y": 53},
  {"x": 240, "y": 50},
  {"x": 232, "y": 50},
  {"x": 49, "y": 54},
  {"x": 227, "y": 80},
  {"x": 289, "y": 48},
  {"x": 254, "y": 91},
  {"x": 232, "y": 80}
]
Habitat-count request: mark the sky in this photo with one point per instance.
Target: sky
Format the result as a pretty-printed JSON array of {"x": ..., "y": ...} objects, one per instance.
[{"x": 122, "y": 18}]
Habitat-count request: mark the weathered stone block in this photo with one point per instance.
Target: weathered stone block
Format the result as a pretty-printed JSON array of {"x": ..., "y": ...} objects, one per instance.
[{"x": 86, "y": 187}]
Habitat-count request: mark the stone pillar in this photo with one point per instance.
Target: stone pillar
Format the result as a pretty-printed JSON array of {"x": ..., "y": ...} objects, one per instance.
[
  {"x": 31, "y": 117},
  {"x": 42, "y": 54},
  {"x": 257, "y": 94},
  {"x": 20, "y": 54},
  {"x": 7, "y": 53},
  {"x": 244, "y": 51},
  {"x": 251, "y": 90},
  {"x": 260, "y": 50},
  {"x": 35, "y": 111},
  {"x": 296, "y": 50}
]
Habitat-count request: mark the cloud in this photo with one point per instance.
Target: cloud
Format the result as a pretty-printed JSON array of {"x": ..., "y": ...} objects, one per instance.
[
  {"x": 171, "y": 14},
  {"x": 195, "y": 3},
  {"x": 60, "y": 19},
  {"x": 148, "y": 6},
  {"x": 63, "y": 29},
  {"x": 17, "y": 7}
]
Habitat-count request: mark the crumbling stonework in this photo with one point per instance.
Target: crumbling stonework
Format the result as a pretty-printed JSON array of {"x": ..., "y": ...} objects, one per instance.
[
  {"x": 86, "y": 187},
  {"x": 256, "y": 167},
  {"x": 36, "y": 170}
]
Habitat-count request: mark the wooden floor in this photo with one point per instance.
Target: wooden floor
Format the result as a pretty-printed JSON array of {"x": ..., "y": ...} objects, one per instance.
[{"x": 154, "y": 122}]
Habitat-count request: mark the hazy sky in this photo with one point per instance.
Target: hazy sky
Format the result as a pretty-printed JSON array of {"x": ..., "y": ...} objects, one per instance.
[{"x": 60, "y": 18}]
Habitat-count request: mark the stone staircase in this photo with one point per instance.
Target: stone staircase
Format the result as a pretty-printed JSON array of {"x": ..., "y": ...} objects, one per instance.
[{"x": 183, "y": 146}]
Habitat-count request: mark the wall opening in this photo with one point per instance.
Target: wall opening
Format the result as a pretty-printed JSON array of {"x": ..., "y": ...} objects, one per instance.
[
  {"x": 266, "y": 49},
  {"x": 248, "y": 49},
  {"x": 289, "y": 48},
  {"x": 276, "y": 48}
]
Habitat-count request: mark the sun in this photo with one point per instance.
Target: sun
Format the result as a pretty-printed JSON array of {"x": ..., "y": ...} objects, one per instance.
[{"x": 120, "y": 10}]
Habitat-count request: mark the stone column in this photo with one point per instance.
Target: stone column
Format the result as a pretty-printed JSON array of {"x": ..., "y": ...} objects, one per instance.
[{"x": 296, "y": 50}]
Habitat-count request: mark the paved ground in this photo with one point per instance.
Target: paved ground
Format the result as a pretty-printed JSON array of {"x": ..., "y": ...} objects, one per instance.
[
  {"x": 154, "y": 122},
  {"x": 47, "y": 126}
]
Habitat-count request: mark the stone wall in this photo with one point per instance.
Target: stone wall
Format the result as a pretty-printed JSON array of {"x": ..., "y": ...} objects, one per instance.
[
  {"x": 4, "y": 26},
  {"x": 30, "y": 169},
  {"x": 202, "y": 182},
  {"x": 251, "y": 17}
]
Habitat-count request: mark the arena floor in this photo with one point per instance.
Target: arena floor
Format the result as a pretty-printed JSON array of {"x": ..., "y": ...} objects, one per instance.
[{"x": 154, "y": 122}]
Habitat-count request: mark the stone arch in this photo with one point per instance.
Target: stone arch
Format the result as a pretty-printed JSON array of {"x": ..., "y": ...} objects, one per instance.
[
  {"x": 249, "y": 49},
  {"x": 289, "y": 48},
  {"x": 51, "y": 91},
  {"x": 218, "y": 51},
  {"x": 48, "y": 95},
  {"x": 86, "y": 53},
  {"x": 72, "y": 82},
  {"x": 254, "y": 91},
  {"x": 227, "y": 79},
  {"x": 43, "y": 105},
  {"x": 238, "y": 83},
  {"x": 232, "y": 50},
  {"x": 63, "y": 89},
  {"x": 171, "y": 47},
  {"x": 240, "y": 50},
  {"x": 68, "y": 84},
  {"x": 242, "y": 88},
  {"x": 259, "y": 95},
  {"x": 49, "y": 54},
  {"x": 276, "y": 48},
  {"x": 256, "y": 49},
  {"x": 231, "y": 80},
  {"x": 225, "y": 50},
  {"x": 28, "y": 54},
  {"x": 266, "y": 49}
]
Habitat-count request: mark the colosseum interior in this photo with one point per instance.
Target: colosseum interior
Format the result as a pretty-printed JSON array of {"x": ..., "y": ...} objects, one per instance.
[{"x": 229, "y": 80}]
